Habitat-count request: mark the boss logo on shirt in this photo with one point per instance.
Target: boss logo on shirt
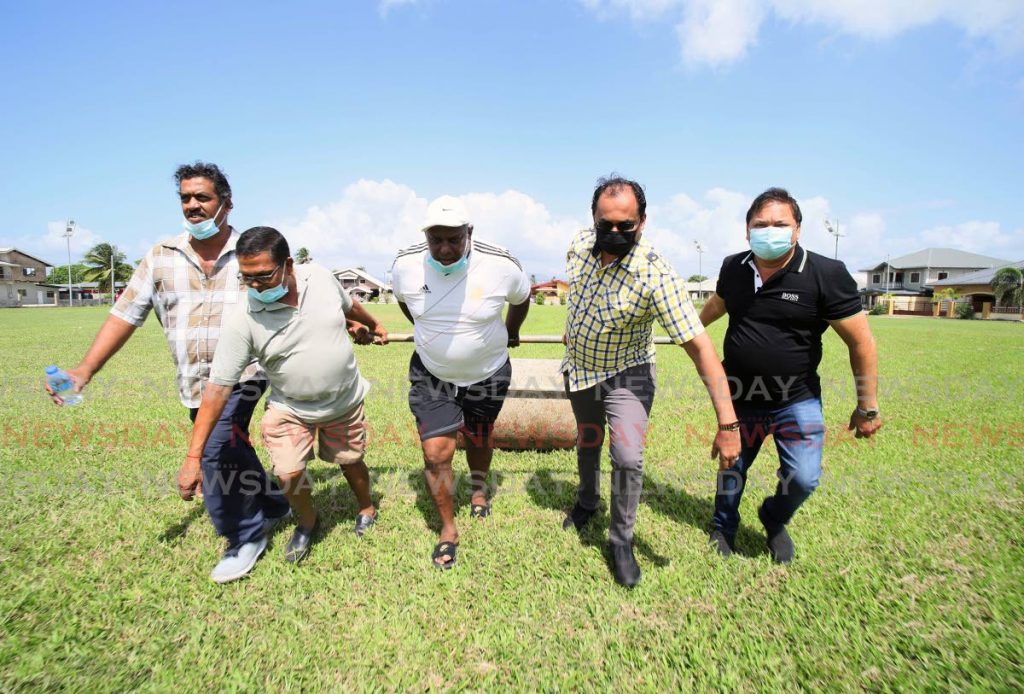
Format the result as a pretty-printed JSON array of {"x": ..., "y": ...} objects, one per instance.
[{"x": 790, "y": 297}]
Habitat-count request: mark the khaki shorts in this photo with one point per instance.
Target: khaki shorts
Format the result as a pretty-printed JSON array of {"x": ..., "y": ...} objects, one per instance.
[{"x": 289, "y": 440}]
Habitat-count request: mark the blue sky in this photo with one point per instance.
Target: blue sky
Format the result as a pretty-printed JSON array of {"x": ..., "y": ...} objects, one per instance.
[{"x": 337, "y": 122}]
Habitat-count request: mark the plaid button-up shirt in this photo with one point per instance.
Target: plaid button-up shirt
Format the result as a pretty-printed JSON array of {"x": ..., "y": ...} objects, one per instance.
[
  {"x": 190, "y": 306},
  {"x": 611, "y": 310}
]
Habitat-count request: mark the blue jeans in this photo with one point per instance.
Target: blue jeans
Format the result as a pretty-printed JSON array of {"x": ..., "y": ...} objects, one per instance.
[
  {"x": 799, "y": 433},
  {"x": 237, "y": 492}
]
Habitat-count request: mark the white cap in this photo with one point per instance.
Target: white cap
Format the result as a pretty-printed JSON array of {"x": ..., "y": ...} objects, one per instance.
[{"x": 446, "y": 211}]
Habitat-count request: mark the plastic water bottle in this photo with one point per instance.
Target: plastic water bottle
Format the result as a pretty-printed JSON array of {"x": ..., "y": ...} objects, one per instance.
[{"x": 62, "y": 385}]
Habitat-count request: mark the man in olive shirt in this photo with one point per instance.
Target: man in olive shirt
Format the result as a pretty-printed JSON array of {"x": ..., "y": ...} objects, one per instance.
[
  {"x": 780, "y": 299},
  {"x": 294, "y": 325}
]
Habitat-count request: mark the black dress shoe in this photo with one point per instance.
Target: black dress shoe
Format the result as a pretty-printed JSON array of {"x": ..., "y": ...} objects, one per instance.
[
  {"x": 724, "y": 544},
  {"x": 298, "y": 546},
  {"x": 624, "y": 565},
  {"x": 779, "y": 543},
  {"x": 578, "y": 517}
]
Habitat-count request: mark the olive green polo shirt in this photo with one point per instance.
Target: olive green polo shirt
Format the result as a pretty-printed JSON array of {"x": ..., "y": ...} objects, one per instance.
[{"x": 305, "y": 351}]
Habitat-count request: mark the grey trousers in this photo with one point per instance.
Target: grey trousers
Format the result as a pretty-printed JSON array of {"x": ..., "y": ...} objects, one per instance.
[{"x": 623, "y": 402}]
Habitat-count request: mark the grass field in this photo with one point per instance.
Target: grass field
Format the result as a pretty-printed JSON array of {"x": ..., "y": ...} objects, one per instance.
[{"x": 909, "y": 570}]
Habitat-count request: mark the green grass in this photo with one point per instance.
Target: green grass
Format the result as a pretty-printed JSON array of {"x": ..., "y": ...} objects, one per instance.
[{"x": 908, "y": 573}]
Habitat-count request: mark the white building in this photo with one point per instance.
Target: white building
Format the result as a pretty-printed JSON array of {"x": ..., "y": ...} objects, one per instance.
[{"x": 362, "y": 285}]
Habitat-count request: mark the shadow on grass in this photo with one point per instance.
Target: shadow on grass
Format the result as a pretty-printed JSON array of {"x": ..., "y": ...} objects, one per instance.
[
  {"x": 177, "y": 530},
  {"x": 335, "y": 503},
  {"x": 462, "y": 494},
  {"x": 560, "y": 495},
  {"x": 682, "y": 506}
]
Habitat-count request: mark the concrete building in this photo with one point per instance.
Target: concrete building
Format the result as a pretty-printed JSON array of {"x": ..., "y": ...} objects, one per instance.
[{"x": 23, "y": 280}]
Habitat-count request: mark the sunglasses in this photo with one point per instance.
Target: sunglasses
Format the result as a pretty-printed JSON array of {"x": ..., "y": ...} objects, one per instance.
[
  {"x": 606, "y": 227},
  {"x": 260, "y": 279}
]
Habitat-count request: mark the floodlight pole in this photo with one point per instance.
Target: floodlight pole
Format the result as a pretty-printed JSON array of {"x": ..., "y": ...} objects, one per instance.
[
  {"x": 835, "y": 232},
  {"x": 68, "y": 231},
  {"x": 700, "y": 269}
]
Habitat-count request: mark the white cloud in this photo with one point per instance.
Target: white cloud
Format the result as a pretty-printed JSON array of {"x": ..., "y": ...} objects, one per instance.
[
  {"x": 374, "y": 219},
  {"x": 1000, "y": 21},
  {"x": 385, "y": 6},
  {"x": 986, "y": 238},
  {"x": 640, "y": 10},
  {"x": 717, "y": 32},
  {"x": 82, "y": 239},
  {"x": 718, "y": 224},
  {"x": 863, "y": 241},
  {"x": 53, "y": 245}
]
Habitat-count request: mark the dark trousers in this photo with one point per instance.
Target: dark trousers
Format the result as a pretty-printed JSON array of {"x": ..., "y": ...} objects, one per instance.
[
  {"x": 623, "y": 402},
  {"x": 238, "y": 493}
]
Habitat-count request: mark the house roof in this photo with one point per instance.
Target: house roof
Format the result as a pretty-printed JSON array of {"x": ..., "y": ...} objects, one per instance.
[
  {"x": 895, "y": 292},
  {"x": 707, "y": 285},
  {"x": 11, "y": 249},
  {"x": 980, "y": 277},
  {"x": 364, "y": 275},
  {"x": 549, "y": 284},
  {"x": 83, "y": 285},
  {"x": 939, "y": 257}
]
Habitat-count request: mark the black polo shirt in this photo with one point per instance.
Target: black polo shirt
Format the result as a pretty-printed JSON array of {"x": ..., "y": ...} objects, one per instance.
[{"x": 773, "y": 344}]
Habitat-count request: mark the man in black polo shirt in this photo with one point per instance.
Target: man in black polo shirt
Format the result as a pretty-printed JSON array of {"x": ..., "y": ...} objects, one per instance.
[{"x": 780, "y": 299}]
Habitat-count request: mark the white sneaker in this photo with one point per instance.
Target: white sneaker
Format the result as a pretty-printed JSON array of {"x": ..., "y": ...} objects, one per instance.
[{"x": 238, "y": 561}]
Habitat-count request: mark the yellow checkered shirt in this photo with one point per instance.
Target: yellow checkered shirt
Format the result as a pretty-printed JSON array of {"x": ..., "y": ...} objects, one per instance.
[{"x": 611, "y": 310}]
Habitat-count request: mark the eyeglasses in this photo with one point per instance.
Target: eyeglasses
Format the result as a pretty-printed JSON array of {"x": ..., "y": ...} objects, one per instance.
[
  {"x": 625, "y": 227},
  {"x": 259, "y": 279}
]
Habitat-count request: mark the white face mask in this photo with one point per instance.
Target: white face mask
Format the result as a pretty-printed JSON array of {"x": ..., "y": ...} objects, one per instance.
[{"x": 204, "y": 229}]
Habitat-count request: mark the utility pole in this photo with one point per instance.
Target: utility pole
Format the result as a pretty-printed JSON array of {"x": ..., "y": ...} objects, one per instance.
[
  {"x": 835, "y": 232},
  {"x": 68, "y": 231},
  {"x": 113, "y": 252}
]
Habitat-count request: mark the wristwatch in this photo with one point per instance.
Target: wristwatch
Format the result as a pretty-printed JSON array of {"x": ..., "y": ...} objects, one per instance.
[{"x": 869, "y": 413}]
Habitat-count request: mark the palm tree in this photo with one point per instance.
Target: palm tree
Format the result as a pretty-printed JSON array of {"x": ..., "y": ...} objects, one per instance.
[
  {"x": 98, "y": 264},
  {"x": 1008, "y": 286},
  {"x": 302, "y": 256}
]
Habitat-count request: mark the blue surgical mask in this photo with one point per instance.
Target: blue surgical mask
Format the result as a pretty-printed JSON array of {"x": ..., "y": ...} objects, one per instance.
[
  {"x": 458, "y": 266},
  {"x": 204, "y": 229},
  {"x": 269, "y": 296},
  {"x": 770, "y": 243}
]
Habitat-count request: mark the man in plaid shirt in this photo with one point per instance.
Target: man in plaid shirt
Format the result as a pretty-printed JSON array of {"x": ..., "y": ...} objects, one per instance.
[
  {"x": 618, "y": 286},
  {"x": 191, "y": 281}
]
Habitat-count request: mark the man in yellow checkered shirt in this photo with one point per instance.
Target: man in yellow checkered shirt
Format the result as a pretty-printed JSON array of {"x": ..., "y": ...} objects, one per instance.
[{"x": 618, "y": 287}]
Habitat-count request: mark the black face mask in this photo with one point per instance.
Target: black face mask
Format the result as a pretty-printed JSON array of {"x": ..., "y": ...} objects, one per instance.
[{"x": 616, "y": 243}]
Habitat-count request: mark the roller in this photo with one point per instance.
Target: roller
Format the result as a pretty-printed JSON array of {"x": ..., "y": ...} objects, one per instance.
[{"x": 536, "y": 415}]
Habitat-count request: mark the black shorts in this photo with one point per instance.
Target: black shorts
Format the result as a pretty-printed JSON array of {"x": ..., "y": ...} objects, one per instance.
[{"x": 441, "y": 408}]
